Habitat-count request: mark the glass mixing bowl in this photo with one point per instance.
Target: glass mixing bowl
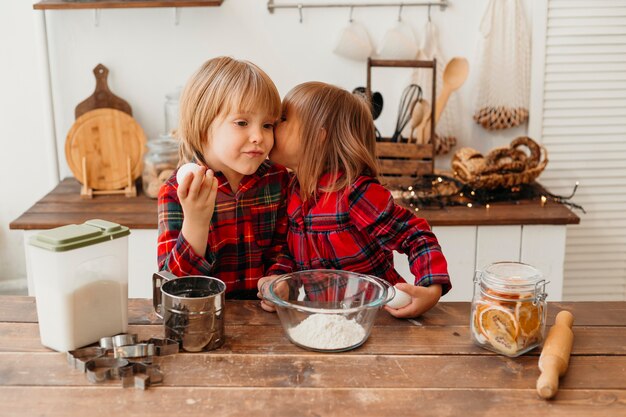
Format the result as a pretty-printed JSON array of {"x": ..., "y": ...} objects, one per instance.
[{"x": 327, "y": 310}]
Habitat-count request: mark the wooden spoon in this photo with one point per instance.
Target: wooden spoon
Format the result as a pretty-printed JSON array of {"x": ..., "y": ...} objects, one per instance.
[
  {"x": 454, "y": 75},
  {"x": 425, "y": 118},
  {"x": 416, "y": 118}
]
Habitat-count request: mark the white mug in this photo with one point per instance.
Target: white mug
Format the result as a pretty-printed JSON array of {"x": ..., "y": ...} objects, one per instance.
[
  {"x": 354, "y": 43},
  {"x": 398, "y": 43}
]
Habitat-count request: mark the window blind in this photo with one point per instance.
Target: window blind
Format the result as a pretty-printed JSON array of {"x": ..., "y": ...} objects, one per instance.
[{"x": 579, "y": 95}]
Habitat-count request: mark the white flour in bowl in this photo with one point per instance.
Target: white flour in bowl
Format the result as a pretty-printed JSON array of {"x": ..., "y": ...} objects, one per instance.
[{"x": 327, "y": 331}]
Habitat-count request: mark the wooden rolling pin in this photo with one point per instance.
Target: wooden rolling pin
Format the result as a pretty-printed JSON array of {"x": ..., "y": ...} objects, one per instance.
[{"x": 555, "y": 355}]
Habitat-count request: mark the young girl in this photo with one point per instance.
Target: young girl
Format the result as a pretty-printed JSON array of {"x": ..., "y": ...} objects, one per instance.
[
  {"x": 229, "y": 219},
  {"x": 340, "y": 216}
]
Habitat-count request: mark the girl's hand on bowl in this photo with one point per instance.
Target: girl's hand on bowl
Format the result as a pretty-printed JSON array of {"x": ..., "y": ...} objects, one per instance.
[
  {"x": 282, "y": 291},
  {"x": 422, "y": 300}
]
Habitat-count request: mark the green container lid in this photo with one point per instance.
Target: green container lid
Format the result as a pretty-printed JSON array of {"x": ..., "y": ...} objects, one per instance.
[{"x": 75, "y": 236}]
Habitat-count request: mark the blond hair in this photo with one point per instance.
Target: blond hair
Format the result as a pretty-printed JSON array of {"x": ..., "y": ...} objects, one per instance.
[
  {"x": 221, "y": 85},
  {"x": 337, "y": 136}
]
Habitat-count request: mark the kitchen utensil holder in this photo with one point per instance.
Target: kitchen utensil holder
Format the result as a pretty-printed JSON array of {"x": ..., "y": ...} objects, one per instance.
[{"x": 401, "y": 164}]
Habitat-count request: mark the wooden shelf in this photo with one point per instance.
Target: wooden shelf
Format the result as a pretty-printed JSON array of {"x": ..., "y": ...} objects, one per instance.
[
  {"x": 121, "y": 4},
  {"x": 63, "y": 205}
]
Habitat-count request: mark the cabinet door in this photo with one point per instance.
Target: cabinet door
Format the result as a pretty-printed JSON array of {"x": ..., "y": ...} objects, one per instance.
[
  {"x": 497, "y": 243},
  {"x": 459, "y": 247},
  {"x": 543, "y": 246},
  {"x": 458, "y": 244},
  {"x": 142, "y": 262}
]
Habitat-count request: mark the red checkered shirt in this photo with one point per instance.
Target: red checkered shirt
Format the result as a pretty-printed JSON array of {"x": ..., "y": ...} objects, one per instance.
[
  {"x": 357, "y": 230},
  {"x": 247, "y": 231}
]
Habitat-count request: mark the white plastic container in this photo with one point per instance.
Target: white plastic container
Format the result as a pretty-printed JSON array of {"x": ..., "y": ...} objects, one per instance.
[{"x": 81, "y": 283}]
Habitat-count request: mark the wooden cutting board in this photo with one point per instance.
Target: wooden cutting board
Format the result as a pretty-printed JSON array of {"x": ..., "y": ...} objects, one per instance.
[
  {"x": 102, "y": 97},
  {"x": 109, "y": 140}
]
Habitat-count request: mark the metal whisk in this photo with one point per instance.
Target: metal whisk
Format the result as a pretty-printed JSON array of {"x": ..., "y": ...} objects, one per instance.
[{"x": 410, "y": 96}]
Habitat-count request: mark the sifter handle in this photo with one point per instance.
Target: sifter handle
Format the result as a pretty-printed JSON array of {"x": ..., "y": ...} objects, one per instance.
[{"x": 157, "y": 281}]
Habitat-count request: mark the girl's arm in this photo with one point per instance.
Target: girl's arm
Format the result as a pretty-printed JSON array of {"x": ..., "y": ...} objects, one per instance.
[
  {"x": 422, "y": 300},
  {"x": 373, "y": 210},
  {"x": 278, "y": 258}
]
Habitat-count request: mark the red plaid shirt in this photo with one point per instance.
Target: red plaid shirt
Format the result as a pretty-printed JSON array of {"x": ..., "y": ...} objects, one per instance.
[
  {"x": 247, "y": 231},
  {"x": 358, "y": 229}
]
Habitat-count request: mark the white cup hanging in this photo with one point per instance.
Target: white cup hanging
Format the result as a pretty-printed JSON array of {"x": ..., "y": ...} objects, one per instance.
[
  {"x": 398, "y": 42},
  {"x": 354, "y": 42}
]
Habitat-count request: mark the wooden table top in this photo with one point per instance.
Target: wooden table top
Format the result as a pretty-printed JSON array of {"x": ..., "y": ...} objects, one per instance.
[
  {"x": 426, "y": 367},
  {"x": 63, "y": 205}
]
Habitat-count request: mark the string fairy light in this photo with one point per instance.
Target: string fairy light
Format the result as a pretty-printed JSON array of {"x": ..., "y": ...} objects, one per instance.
[{"x": 438, "y": 191}]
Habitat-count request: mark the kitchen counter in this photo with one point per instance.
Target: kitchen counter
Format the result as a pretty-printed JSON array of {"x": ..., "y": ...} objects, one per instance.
[
  {"x": 471, "y": 238},
  {"x": 426, "y": 367},
  {"x": 63, "y": 205}
]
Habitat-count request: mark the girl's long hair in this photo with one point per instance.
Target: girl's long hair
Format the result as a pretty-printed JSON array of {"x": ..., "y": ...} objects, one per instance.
[
  {"x": 337, "y": 136},
  {"x": 220, "y": 86}
]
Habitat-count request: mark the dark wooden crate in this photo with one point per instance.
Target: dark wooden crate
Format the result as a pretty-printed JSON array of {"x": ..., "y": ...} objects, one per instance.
[{"x": 402, "y": 163}]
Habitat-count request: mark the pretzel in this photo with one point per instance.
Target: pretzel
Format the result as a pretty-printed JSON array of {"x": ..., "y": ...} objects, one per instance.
[
  {"x": 533, "y": 147},
  {"x": 461, "y": 172},
  {"x": 468, "y": 163}
]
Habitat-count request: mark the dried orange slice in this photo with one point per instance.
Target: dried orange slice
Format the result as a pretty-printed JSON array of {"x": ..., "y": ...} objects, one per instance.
[
  {"x": 501, "y": 299},
  {"x": 500, "y": 328},
  {"x": 479, "y": 306},
  {"x": 503, "y": 343},
  {"x": 529, "y": 318},
  {"x": 506, "y": 295},
  {"x": 496, "y": 320}
]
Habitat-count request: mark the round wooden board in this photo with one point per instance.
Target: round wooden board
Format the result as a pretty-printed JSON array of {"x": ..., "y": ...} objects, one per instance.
[{"x": 107, "y": 138}]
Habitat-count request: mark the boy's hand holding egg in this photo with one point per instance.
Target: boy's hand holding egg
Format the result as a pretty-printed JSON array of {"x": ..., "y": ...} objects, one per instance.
[
  {"x": 412, "y": 300},
  {"x": 197, "y": 190}
]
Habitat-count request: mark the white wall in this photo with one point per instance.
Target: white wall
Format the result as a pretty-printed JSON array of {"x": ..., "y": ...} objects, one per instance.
[
  {"x": 148, "y": 56},
  {"x": 23, "y": 165}
]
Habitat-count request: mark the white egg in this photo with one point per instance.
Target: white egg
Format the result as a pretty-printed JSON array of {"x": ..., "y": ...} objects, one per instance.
[
  {"x": 401, "y": 299},
  {"x": 186, "y": 169}
]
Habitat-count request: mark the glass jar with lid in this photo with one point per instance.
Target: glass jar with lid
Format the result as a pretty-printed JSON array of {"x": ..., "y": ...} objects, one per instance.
[
  {"x": 172, "y": 110},
  {"x": 509, "y": 308},
  {"x": 159, "y": 162}
]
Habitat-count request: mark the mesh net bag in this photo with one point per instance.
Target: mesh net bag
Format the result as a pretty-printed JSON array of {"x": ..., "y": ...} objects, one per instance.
[
  {"x": 448, "y": 127},
  {"x": 503, "y": 86}
]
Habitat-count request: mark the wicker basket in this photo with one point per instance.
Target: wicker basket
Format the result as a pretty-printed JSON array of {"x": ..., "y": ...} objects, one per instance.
[{"x": 502, "y": 167}]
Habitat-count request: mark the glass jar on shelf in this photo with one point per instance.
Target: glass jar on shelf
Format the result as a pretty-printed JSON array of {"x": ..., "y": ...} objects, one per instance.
[
  {"x": 171, "y": 111},
  {"x": 159, "y": 162},
  {"x": 509, "y": 308}
]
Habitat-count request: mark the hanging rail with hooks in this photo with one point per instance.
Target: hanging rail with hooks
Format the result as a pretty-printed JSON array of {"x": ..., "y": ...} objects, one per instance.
[{"x": 272, "y": 5}]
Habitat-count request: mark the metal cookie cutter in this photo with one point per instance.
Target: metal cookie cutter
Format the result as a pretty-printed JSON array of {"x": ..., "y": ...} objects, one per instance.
[
  {"x": 140, "y": 375},
  {"x": 106, "y": 343},
  {"x": 131, "y": 361},
  {"x": 125, "y": 339},
  {"x": 164, "y": 346},
  {"x": 101, "y": 369},
  {"x": 139, "y": 350},
  {"x": 79, "y": 358}
]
